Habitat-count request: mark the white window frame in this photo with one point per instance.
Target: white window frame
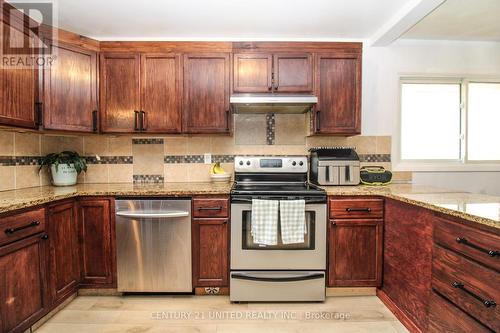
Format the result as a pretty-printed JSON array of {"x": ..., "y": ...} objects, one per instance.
[{"x": 463, "y": 164}]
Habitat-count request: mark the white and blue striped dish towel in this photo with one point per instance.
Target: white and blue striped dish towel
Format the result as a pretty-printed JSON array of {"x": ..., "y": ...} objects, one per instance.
[
  {"x": 293, "y": 221},
  {"x": 265, "y": 221}
]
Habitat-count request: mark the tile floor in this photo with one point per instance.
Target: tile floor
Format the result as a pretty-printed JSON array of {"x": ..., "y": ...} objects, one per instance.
[{"x": 215, "y": 314}]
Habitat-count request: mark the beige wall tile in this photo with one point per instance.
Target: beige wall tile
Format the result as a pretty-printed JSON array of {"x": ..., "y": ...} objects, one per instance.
[
  {"x": 198, "y": 172},
  {"x": 402, "y": 176},
  {"x": 121, "y": 173},
  {"x": 223, "y": 145},
  {"x": 27, "y": 144},
  {"x": 386, "y": 165},
  {"x": 290, "y": 129},
  {"x": 120, "y": 146},
  {"x": 6, "y": 143},
  {"x": 175, "y": 145},
  {"x": 96, "y": 173},
  {"x": 250, "y": 129},
  {"x": 384, "y": 144},
  {"x": 27, "y": 176},
  {"x": 148, "y": 159},
  {"x": 7, "y": 178},
  {"x": 53, "y": 144},
  {"x": 198, "y": 145},
  {"x": 176, "y": 172},
  {"x": 95, "y": 145}
]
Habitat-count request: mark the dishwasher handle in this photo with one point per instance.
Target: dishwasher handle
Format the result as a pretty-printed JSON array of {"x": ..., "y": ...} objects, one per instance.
[{"x": 153, "y": 215}]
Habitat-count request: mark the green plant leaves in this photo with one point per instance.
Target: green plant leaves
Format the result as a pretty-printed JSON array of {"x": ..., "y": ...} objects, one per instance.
[{"x": 65, "y": 157}]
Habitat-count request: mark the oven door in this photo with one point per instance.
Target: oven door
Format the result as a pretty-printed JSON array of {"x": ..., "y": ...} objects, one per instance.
[{"x": 310, "y": 255}]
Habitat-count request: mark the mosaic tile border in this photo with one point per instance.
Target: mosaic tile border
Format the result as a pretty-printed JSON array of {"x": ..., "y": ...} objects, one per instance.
[
  {"x": 270, "y": 129},
  {"x": 177, "y": 159},
  {"x": 35, "y": 160},
  {"x": 141, "y": 179},
  {"x": 109, "y": 159},
  {"x": 19, "y": 160},
  {"x": 148, "y": 141}
]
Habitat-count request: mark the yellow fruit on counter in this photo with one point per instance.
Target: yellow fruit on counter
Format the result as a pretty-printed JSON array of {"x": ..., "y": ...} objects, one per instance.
[{"x": 216, "y": 169}]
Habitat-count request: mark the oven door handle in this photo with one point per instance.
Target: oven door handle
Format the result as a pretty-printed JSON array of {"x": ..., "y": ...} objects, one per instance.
[
  {"x": 153, "y": 215},
  {"x": 293, "y": 278}
]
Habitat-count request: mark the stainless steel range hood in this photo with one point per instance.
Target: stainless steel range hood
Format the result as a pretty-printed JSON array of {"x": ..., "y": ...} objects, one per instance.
[{"x": 272, "y": 103}]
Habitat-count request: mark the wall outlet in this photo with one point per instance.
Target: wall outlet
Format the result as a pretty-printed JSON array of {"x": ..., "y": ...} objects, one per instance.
[{"x": 207, "y": 158}]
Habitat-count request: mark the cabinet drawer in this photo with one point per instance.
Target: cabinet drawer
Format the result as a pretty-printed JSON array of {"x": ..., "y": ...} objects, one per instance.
[
  {"x": 475, "y": 244},
  {"x": 21, "y": 225},
  {"x": 210, "y": 207},
  {"x": 356, "y": 208},
  {"x": 444, "y": 317},
  {"x": 470, "y": 286}
]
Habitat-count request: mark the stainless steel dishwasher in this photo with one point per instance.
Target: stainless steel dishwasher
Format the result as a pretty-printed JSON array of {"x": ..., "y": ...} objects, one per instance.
[{"x": 153, "y": 239}]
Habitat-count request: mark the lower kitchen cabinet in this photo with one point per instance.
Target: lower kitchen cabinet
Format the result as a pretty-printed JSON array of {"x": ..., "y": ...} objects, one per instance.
[
  {"x": 23, "y": 283},
  {"x": 64, "y": 273},
  {"x": 210, "y": 252},
  {"x": 355, "y": 253},
  {"x": 96, "y": 226}
]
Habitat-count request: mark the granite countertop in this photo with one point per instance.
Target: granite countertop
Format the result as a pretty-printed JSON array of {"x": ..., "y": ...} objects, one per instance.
[{"x": 480, "y": 208}]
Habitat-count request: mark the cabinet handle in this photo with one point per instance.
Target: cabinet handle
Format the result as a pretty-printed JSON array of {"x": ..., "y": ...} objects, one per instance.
[
  {"x": 143, "y": 121},
  {"x": 486, "y": 303},
  {"x": 318, "y": 121},
  {"x": 364, "y": 210},
  {"x": 45, "y": 237},
  {"x": 333, "y": 223},
  {"x": 136, "y": 120},
  {"x": 270, "y": 88},
  {"x": 210, "y": 208},
  {"x": 39, "y": 113},
  {"x": 10, "y": 231},
  {"x": 464, "y": 241},
  {"x": 94, "y": 121},
  {"x": 228, "y": 115}
]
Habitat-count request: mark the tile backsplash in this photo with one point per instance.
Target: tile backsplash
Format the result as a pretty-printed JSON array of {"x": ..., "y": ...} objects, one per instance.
[{"x": 127, "y": 158}]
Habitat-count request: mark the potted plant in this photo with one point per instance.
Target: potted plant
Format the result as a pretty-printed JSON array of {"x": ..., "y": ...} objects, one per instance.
[{"x": 64, "y": 167}]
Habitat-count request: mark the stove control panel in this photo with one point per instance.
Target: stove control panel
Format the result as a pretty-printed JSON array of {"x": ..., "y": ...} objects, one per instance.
[{"x": 266, "y": 164}]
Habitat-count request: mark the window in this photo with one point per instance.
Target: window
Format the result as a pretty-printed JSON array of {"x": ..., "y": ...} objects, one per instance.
[{"x": 450, "y": 121}]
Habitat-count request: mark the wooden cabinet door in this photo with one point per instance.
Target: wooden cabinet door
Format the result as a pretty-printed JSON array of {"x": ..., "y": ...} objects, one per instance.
[
  {"x": 206, "y": 93},
  {"x": 161, "y": 93},
  {"x": 210, "y": 252},
  {"x": 119, "y": 92},
  {"x": 252, "y": 72},
  {"x": 63, "y": 251},
  {"x": 355, "y": 253},
  {"x": 97, "y": 243},
  {"x": 293, "y": 73},
  {"x": 338, "y": 85},
  {"x": 18, "y": 84},
  {"x": 22, "y": 283},
  {"x": 70, "y": 90}
]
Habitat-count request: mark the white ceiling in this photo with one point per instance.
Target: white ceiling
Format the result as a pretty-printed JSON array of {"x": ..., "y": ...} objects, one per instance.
[
  {"x": 226, "y": 19},
  {"x": 474, "y": 20}
]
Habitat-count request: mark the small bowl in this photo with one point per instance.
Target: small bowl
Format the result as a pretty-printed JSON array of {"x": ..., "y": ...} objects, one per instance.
[{"x": 220, "y": 177}]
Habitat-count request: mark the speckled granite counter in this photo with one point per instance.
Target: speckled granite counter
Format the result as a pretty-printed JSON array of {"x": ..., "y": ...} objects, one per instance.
[
  {"x": 16, "y": 199},
  {"x": 483, "y": 209},
  {"x": 480, "y": 208}
]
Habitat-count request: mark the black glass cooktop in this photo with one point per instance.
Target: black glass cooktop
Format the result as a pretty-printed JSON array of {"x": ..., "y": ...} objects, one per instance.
[{"x": 289, "y": 189}]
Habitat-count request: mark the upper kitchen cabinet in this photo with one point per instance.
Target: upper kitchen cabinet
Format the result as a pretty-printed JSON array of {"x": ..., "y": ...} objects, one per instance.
[
  {"x": 120, "y": 92},
  {"x": 206, "y": 93},
  {"x": 70, "y": 90},
  {"x": 18, "y": 83},
  {"x": 265, "y": 72},
  {"x": 141, "y": 93},
  {"x": 161, "y": 93},
  {"x": 338, "y": 86}
]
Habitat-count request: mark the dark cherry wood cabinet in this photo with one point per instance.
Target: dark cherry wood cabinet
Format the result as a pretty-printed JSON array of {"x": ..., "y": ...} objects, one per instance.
[
  {"x": 206, "y": 93},
  {"x": 408, "y": 244},
  {"x": 70, "y": 89},
  {"x": 293, "y": 73},
  {"x": 23, "y": 278},
  {"x": 210, "y": 252},
  {"x": 18, "y": 83},
  {"x": 355, "y": 253},
  {"x": 338, "y": 86},
  {"x": 97, "y": 242},
  {"x": 62, "y": 229},
  {"x": 120, "y": 92},
  {"x": 355, "y": 242},
  {"x": 161, "y": 94},
  {"x": 266, "y": 72},
  {"x": 252, "y": 72}
]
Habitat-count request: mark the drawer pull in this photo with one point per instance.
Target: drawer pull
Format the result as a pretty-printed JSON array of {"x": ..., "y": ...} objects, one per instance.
[
  {"x": 486, "y": 303},
  {"x": 210, "y": 208},
  {"x": 10, "y": 231},
  {"x": 365, "y": 210},
  {"x": 491, "y": 253}
]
